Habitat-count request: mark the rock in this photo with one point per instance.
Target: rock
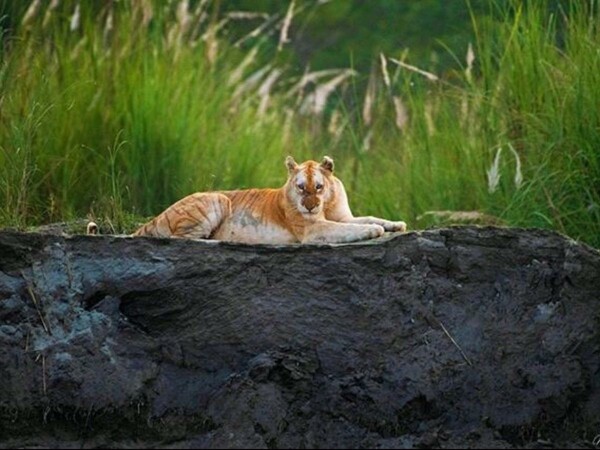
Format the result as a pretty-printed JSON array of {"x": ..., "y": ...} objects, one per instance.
[{"x": 452, "y": 337}]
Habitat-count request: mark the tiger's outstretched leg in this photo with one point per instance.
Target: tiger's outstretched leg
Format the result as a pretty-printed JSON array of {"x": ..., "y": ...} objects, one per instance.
[
  {"x": 387, "y": 225},
  {"x": 339, "y": 211},
  {"x": 196, "y": 216},
  {"x": 338, "y": 232}
]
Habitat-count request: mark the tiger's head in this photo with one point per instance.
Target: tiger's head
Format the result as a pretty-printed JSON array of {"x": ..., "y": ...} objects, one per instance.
[{"x": 310, "y": 185}]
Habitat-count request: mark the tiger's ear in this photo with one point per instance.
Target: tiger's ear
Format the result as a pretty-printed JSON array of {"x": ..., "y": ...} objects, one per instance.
[
  {"x": 327, "y": 164},
  {"x": 291, "y": 164}
]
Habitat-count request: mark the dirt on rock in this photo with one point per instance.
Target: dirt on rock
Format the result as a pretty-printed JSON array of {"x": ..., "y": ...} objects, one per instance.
[{"x": 458, "y": 337}]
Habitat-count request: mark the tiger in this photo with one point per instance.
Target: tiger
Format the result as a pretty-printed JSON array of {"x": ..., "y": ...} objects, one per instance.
[{"x": 311, "y": 207}]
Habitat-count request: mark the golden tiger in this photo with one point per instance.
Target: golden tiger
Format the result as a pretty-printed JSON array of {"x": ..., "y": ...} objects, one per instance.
[{"x": 312, "y": 207}]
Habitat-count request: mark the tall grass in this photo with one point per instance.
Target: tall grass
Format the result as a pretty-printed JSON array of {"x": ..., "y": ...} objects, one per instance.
[
  {"x": 138, "y": 104},
  {"x": 128, "y": 118}
]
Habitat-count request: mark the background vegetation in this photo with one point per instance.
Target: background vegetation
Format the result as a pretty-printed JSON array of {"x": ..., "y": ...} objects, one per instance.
[{"x": 445, "y": 112}]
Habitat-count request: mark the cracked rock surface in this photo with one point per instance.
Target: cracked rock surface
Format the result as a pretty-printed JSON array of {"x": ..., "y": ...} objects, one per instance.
[{"x": 458, "y": 337}]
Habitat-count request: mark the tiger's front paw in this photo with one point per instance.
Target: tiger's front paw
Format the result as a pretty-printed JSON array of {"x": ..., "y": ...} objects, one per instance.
[
  {"x": 374, "y": 231},
  {"x": 398, "y": 226}
]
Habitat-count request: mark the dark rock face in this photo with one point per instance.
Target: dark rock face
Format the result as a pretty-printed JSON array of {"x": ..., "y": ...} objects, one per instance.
[{"x": 445, "y": 338}]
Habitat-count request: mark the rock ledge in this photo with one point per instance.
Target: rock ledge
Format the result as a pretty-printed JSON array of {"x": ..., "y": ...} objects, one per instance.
[{"x": 463, "y": 337}]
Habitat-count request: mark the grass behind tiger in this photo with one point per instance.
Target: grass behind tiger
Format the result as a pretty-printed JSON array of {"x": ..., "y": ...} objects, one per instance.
[{"x": 113, "y": 110}]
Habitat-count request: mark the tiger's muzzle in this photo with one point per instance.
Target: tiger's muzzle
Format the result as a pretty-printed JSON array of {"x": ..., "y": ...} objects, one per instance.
[{"x": 311, "y": 203}]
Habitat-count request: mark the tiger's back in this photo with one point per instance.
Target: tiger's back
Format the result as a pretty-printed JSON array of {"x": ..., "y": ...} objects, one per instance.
[{"x": 250, "y": 216}]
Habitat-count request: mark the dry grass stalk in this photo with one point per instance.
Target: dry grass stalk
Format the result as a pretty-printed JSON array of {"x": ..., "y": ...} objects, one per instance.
[
  {"x": 77, "y": 49},
  {"x": 215, "y": 28},
  {"x": 429, "y": 113},
  {"x": 183, "y": 16},
  {"x": 469, "y": 108},
  {"x": 384, "y": 70},
  {"x": 555, "y": 211},
  {"x": 283, "y": 36},
  {"x": 246, "y": 15},
  {"x": 518, "y": 173},
  {"x": 200, "y": 17},
  {"x": 238, "y": 73},
  {"x": 470, "y": 59},
  {"x": 212, "y": 45},
  {"x": 310, "y": 77},
  {"x": 367, "y": 112},
  {"x": 464, "y": 109},
  {"x": 493, "y": 173},
  {"x": 264, "y": 91},
  {"x": 147, "y": 11},
  {"x": 31, "y": 13},
  {"x": 468, "y": 361},
  {"x": 315, "y": 102},
  {"x": 201, "y": 8},
  {"x": 75, "y": 18},
  {"x": 210, "y": 36},
  {"x": 111, "y": 227},
  {"x": 175, "y": 35},
  {"x": 37, "y": 308},
  {"x": 250, "y": 83},
  {"x": 257, "y": 31},
  {"x": 108, "y": 26},
  {"x": 366, "y": 143},
  {"x": 287, "y": 125},
  {"x": 53, "y": 5},
  {"x": 336, "y": 125},
  {"x": 401, "y": 113},
  {"x": 430, "y": 76}
]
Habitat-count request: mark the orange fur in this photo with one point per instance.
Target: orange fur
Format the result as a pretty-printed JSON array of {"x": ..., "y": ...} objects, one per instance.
[{"x": 312, "y": 206}]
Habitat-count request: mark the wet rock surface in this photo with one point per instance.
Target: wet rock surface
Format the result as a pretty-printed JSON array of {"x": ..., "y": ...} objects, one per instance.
[{"x": 459, "y": 337}]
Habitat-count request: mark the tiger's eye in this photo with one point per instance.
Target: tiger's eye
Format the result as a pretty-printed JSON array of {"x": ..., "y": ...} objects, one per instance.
[
  {"x": 319, "y": 186},
  {"x": 300, "y": 186}
]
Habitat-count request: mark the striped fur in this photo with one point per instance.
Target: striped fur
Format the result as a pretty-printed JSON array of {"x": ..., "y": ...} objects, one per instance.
[{"x": 312, "y": 206}]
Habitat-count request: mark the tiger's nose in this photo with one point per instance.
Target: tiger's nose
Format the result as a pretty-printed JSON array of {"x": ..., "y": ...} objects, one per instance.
[{"x": 311, "y": 204}]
